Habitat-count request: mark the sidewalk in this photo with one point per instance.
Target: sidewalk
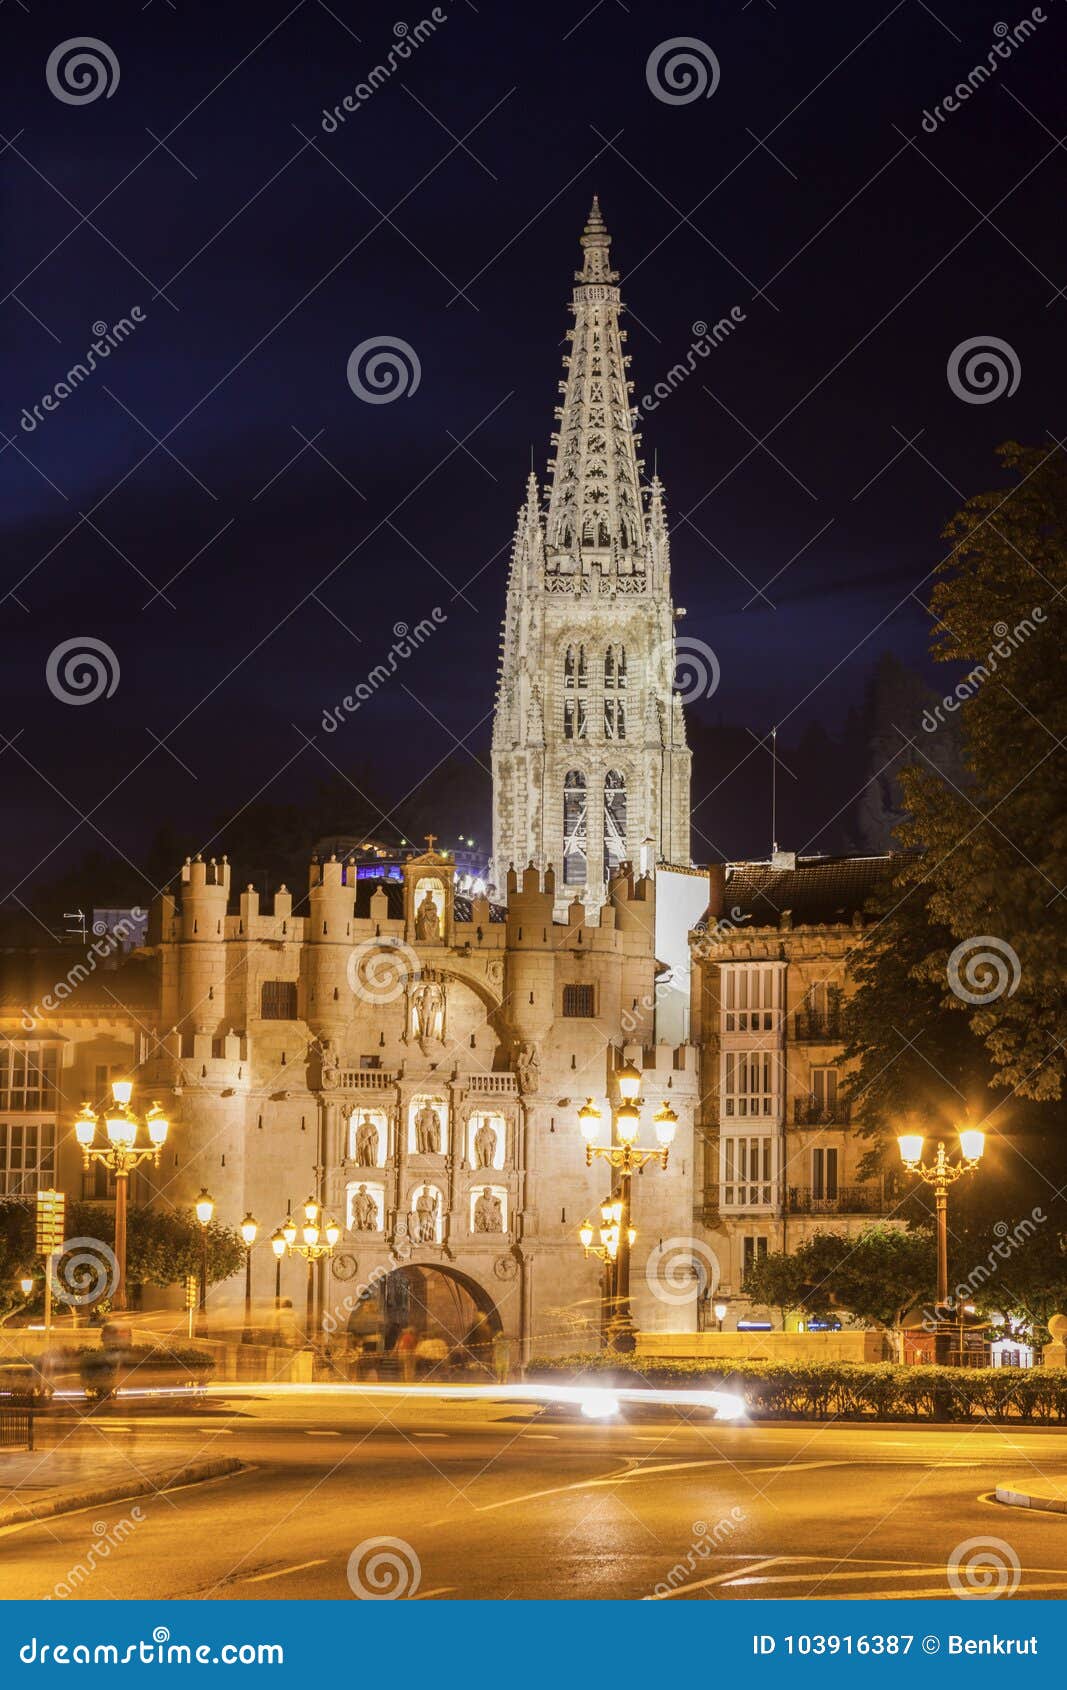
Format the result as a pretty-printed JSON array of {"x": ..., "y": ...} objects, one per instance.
[
  {"x": 1051, "y": 1499},
  {"x": 37, "y": 1484}
]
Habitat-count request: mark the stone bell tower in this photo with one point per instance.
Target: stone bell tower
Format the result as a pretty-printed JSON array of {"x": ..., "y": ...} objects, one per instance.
[{"x": 590, "y": 763}]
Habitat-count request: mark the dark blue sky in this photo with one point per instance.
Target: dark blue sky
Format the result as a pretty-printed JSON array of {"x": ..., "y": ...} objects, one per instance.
[{"x": 445, "y": 213}]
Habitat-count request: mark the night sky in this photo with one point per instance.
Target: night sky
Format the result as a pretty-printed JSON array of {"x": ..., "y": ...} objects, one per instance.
[{"x": 217, "y": 505}]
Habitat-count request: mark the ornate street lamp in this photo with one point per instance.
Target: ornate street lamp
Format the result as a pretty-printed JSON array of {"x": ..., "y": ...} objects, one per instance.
[
  {"x": 205, "y": 1209},
  {"x": 279, "y": 1246},
  {"x": 720, "y": 1313},
  {"x": 249, "y": 1229},
  {"x": 317, "y": 1238},
  {"x": 941, "y": 1173},
  {"x": 625, "y": 1156},
  {"x": 606, "y": 1252},
  {"x": 120, "y": 1154}
]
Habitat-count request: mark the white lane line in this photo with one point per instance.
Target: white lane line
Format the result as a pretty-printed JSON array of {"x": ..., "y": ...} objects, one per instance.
[
  {"x": 550, "y": 1437},
  {"x": 429, "y": 1434},
  {"x": 308, "y": 1433},
  {"x": 424, "y": 1595},
  {"x": 716, "y": 1578},
  {"x": 215, "y": 1431},
  {"x": 281, "y": 1572}
]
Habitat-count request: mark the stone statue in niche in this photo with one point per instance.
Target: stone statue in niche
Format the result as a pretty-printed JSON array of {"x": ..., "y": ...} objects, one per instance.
[
  {"x": 427, "y": 921},
  {"x": 528, "y": 1068},
  {"x": 364, "y": 1211},
  {"x": 485, "y": 1140},
  {"x": 368, "y": 1144},
  {"x": 427, "y": 1131},
  {"x": 428, "y": 1010},
  {"x": 426, "y": 1217},
  {"x": 329, "y": 1065},
  {"x": 488, "y": 1215}
]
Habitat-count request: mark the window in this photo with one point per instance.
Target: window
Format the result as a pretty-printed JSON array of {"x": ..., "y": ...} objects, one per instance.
[
  {"x": 27, "y": 1078},
  {"x": 824, "y": 1173},
  {"x": 579, "y": 1001},
  {"x": 747, "y": 1171},
  {"x": 749, "y": 999},
  {"x": 614, "y": 820},
  {"x": 27, "y": 1157},
  {"x": 755, "y": 1249},
  {"x": 278, "y": 1000},
  {"x": 575, "y": 830},
  {"x": 748, "y": 1084},
  {"x": 824, "y": 1090}
]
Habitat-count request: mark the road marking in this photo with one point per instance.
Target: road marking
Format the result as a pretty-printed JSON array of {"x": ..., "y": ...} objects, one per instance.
[
  {"x": 551, "y": 1437},
  {"x": 215, "y": 1431},
  {"x": 308, "y": 1433},
  {"x": 716, "y": 1578},
  {"x": 429, "y": 1434},
  {"x": 424, "y": 1595},
  {"x": 280, "y": 1572}
]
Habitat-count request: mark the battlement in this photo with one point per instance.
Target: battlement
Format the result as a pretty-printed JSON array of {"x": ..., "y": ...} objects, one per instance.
[{"x": 198, "y": 874}]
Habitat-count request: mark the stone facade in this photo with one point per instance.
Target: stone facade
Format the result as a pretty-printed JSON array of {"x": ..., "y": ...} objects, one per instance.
[{"x": 590, "y": 763}]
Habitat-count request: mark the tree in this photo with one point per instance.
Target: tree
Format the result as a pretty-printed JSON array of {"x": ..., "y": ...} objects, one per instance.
[
  {"x": 163, "y": 1247},
  {"x": 873, "y": 1277}
]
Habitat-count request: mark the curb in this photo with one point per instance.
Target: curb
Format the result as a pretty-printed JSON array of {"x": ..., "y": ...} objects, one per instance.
[
  {"x": 1022, "y": 1499},
  {"x": 194, "y": 1473}
]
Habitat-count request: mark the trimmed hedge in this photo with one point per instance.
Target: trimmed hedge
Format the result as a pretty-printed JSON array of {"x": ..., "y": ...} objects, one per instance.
[{"x": 840, "y": 1390}]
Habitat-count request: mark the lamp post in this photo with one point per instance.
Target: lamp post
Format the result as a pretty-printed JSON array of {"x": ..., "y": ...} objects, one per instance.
[
  {"x": 205, "y": 1208},
  {"x": 625, "y": 1156},
  {"x": 279, "y": 1246},
  {"x": 120, "y": 1155},
  {"x": 607, "y": 1252},
  {"x": 26, "y": 1286},
  {"x": 317, "y": 1238},
  {"x": 941, "y": 1173},
  {"x": 249, "y": 1228},
  {"x": 720, "y": 1313}
]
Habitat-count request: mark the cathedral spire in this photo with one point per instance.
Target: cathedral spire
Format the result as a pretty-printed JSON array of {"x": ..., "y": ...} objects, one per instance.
[{"x": 595, "y": 514}]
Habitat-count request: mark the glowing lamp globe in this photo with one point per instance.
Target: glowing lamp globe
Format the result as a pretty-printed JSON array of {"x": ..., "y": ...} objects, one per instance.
[
  {"x": 85, "y": 1128},
  {"x": 607, "y": 1211},
  {"x": 627, "y": 1123},
  {"x": 628, "y": 1080},
  {"x": 720, "y": 1311},
  {"x": 631, "y": 1233},
  {"x": 585, "y": 1233},
  {"x": 289, "y": 1234},
  {"x": 204, "y": 1206},
  {"x": 278, "y": 1244},
  {"x": 121, "y": 1131},
  {"x": 311, "y": 1211},
  {"x": 665, "y": 1122},
  {"x": 911, "y": 1147},
  {"x": 589, "y": 1120},
  {"x": 249, "y": 1228},
  {"x": 27, "y": 1286},
  {"x": 122, "y": 1091},
  {"x": 972, "y": 1143},
  {"x": 333, "y": 1233},
  {"x": 158, "y": 1126},
  {"x": 311, "y": 1234}
]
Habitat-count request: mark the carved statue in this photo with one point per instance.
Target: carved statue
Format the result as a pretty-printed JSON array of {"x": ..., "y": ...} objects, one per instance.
[
  {"x": 427, "y": 922},
  {"x": 427, "y": 1131},
  {"x": 488, "y": 1215},
  {"x": 368, "y": 1143},
  {"x": 426, "y": 1217},
  {"x": 428, "y": 1006},
  {"x": 329, "y": 1064},
  {"x": 364, "y": 1211},
  {"x": 528, "y": 1068},
  {"x": 485, "y": 1145}
]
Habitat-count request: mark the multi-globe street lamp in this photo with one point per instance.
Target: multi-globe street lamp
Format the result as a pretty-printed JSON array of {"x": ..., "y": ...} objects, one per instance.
[
  {"x": 205, "y": 1209},
  {"x": 279, "y": 1246},
  {"x": 120, "y": 1154},
  {"x": 624, "y": 1156},
  {"x": 940, "y": 1174},
  {"x": 249, "y": 1229},
  {"x": 316, "y": 1238},
  {"x": 606, "y": 1251}
]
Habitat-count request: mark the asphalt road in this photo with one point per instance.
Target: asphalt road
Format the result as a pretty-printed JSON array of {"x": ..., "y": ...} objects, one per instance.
[{"x": 507, "y": 1501}]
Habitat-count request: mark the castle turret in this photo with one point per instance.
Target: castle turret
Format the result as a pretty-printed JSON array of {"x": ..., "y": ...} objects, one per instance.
[
  {"x": 202, "y": 966},
  {"x": 331, "y": 902}
]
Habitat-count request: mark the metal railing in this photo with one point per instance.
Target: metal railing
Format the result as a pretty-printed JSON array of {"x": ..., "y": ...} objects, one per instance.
[
  {"x": 817, "y": 1027},
  {"x": 841, "y": 1200},
  {"x": 812, "y": 1111},
  {"x": 16, "y": 1427}
]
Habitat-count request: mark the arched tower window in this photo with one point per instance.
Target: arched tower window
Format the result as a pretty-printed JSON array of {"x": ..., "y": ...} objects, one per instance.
[
  {"x": 614, "y": 820},
  {"x": 614, "y": 681},
  {"x": 575, "y": 830}
]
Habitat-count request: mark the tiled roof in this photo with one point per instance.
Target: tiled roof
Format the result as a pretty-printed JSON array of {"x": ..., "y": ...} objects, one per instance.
[{"x": 818, "y": 892}]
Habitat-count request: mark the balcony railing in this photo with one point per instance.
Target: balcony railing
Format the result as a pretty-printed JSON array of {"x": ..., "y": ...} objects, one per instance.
[
  {"x": 844, "y": 1200},
  {"x": 815, "y": 1112},
  {"x": 817, "y": 1027}
]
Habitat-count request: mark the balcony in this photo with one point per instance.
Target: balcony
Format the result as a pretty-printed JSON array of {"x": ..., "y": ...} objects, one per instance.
[
  {"x": 845, "y": 1200},
  {"x": 815, "y": 1112},
  {"x": 815, "y": 1027}
]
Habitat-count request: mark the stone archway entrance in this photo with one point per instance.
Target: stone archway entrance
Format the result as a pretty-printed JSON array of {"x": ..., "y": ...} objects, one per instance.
[{"x": 426, "y": 1318}]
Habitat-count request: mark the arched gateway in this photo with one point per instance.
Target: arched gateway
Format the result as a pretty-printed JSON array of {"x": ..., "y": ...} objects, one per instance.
[{"x": 440, "y": 1306}]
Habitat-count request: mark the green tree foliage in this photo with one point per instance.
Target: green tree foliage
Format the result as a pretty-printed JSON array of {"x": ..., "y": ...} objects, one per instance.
[{"x": 872, "y": 1278}]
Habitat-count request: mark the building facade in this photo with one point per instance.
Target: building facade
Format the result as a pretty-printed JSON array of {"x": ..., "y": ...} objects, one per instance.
[{"x": 590, "y": 762}]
